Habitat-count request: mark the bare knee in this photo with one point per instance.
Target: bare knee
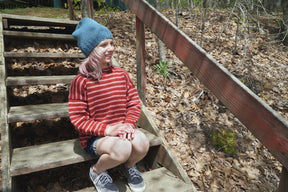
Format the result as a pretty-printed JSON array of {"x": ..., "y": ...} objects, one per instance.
[
  {"x": 140, "y": 142},
  {"x": 121, "y": 150}
]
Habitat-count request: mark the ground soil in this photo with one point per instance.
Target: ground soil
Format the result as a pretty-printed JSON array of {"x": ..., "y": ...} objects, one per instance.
[{"x": 184, "y": 110}]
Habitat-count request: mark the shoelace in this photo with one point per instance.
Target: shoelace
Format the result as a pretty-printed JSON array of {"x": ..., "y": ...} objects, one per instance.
[
  {"x": 134, "y": 173},
  {"x": 104, "y": 179}
]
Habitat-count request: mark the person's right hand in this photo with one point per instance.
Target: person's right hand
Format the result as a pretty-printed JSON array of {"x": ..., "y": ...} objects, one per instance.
[{"x": 124, "y": 131}]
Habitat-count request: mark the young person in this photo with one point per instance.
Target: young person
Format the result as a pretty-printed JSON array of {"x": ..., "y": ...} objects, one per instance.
[{"x": 104, "y": 107}]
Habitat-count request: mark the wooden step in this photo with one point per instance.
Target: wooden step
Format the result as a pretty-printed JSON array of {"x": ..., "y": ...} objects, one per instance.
[
  {"x": 37, "y": 21},
  {"x": 41, "y": 157},
  {"x": 37, "y": 112},
  {"x": 34, "y": 35},
  {"x": 43, "y": 55},
  {"x": 38, "y": 80},
  {"x": 157, "y": 180}
]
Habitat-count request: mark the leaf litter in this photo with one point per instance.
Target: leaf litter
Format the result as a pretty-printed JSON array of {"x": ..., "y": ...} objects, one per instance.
[{"x": 186, "y": 112}]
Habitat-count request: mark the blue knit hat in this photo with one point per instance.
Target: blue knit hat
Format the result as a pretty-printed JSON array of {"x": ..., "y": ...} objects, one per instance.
[{"x": 89, "y": 34}]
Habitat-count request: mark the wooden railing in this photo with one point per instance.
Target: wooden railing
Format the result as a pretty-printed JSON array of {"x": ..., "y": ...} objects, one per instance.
[{"x": 268, "y": 126}]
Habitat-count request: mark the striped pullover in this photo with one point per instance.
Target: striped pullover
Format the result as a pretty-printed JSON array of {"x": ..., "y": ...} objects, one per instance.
[{"x": 93, "y": 104}]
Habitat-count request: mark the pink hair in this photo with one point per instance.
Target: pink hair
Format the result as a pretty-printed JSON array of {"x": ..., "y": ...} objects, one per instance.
[{"x": 91, "y": 67}]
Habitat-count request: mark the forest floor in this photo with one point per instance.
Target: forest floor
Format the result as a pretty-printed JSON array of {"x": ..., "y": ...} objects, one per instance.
[
  {"x": 187, "y": 117},
  {"x": 187, "y": 113}
]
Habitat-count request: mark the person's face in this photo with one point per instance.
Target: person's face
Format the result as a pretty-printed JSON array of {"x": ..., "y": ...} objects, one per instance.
[{"x": 105, "y": 50}]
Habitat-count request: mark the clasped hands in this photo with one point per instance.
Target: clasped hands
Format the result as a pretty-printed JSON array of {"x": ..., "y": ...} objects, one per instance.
[{"x": 122, "y": 130}]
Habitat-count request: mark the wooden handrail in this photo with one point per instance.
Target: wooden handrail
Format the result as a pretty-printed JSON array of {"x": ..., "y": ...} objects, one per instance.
[{"x": 266, "y": 124}]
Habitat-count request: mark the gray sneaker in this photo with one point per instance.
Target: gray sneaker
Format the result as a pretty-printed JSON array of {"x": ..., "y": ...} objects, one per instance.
[
  {"x": 103, "y": 182},
  {"x": 135, "y": 180}
]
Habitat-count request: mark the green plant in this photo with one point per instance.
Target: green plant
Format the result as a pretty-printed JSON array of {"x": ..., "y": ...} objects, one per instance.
[
  {"x": 224, "y": 140},
  {"x": 102, "y": 11},
  {"x": 162, "y": 68}
]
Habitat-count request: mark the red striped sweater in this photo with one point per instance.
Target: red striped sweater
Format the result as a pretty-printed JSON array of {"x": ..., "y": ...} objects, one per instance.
[{"x": 93, "y": 104}]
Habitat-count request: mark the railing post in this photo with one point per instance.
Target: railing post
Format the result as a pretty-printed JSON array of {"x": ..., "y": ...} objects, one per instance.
[
  {"x": 140, "y": 59},
  {"x": 283, "y": 185}
]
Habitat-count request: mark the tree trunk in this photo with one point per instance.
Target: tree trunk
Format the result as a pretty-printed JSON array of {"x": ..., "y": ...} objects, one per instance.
[
  {"x": 71, "y": 12},
  {"x": 161, "y": 48},
  {"x": 204, "y": 18},
  {"x": 223, "y": 3},
  {"x": 272, "y": 5},
  {"x": 176, "y": 12},
  {"x": 87, "y": 8}
]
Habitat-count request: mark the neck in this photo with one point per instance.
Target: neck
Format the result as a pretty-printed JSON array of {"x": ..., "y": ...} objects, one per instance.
[{"x": 105, "y": 65}]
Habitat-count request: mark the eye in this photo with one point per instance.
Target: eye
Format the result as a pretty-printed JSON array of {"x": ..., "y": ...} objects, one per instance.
[{"x": 104, "y": 44}]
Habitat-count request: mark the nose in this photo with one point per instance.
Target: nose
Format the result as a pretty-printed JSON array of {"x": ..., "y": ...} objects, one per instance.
[{"x": 110, "y": 47}]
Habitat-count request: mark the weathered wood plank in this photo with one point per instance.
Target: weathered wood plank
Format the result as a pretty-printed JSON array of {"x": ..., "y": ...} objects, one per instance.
[
  {"x": 54, "y": 110},
  {"x": 140, "y": 60},
  {"x": 283, "y": 185},
  {"x": 43, "y": 55},
  {"x": 35, "y": 158},
  {"x": 37, "y": 21},
  {"x": 165, "y": 156},
  {"x": 38, "y": 80},
  {"x": 38, "y": 35},
  {"x": 40, "y": 157},
  {"x": 37, "y": 112},
  {"x": 268, "y": 126},
  {"x": 163, "y": 180},
  {"x": 145, "y": 120},
  {"x": 160, "y": 180},
  {"x": 4, "y": 126},
  {"x": 153, "y": 139}
]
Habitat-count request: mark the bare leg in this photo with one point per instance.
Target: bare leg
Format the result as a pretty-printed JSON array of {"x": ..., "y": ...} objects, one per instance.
[
  {"x": 113, "y": 151},
  {"x": 140, "y": 147}
]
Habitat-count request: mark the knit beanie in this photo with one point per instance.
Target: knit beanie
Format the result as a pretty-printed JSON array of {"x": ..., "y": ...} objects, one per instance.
[{"x": 89, "y": 34}]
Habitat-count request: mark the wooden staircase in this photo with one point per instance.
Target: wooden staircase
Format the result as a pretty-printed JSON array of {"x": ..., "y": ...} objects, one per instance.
[{"x": 164, "y": 172}]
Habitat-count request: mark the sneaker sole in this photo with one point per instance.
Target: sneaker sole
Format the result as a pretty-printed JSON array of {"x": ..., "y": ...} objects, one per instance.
[{"x": 138, "y": 189}]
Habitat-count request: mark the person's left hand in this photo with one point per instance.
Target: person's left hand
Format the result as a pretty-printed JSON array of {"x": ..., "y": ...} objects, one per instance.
[{"x": 128, "y": 132}]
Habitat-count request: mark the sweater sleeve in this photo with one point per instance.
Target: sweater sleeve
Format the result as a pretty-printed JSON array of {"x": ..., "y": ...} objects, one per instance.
[
  {"x": 78, "y": 109},
  {"x": 133, "y": 105}
]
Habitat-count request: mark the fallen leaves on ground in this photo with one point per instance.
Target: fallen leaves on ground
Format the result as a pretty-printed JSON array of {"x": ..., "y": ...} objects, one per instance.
[{"x": 186, "y": 112}]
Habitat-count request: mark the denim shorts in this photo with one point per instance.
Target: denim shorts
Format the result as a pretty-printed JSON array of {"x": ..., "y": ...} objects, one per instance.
[{"x": 91, "y": 146}]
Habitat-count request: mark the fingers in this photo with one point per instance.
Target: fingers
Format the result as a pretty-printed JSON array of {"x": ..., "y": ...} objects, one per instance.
[
  {"x": 130, "y": 136},
  {"x": 124, "y": 131},
  {"x": 127, "y": 136},
  {"x": 130, "y": 133}
]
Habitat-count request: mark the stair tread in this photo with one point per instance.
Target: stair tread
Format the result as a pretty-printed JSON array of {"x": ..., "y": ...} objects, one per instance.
[
  {"x": 35, "y": 158},
  {"x": 38, "y": 35},
  {"x": 40, "y": 157},
  {"x": 158, "y": 180},
  {"x": 44, "y": 55},
  {"x": 40, "y": 21},
  {"x": 38, "y": 80},
  {"x": 37, "y": 112}
]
